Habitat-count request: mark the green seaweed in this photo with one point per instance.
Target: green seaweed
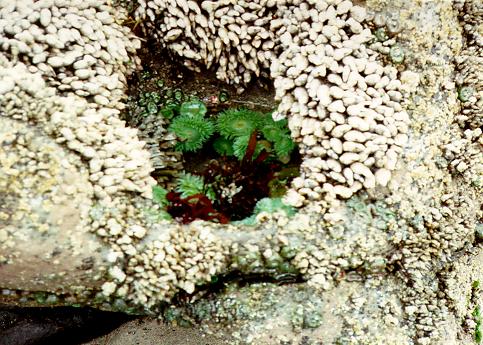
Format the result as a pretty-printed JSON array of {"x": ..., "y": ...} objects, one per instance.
[
  {"x": 159, "y": 195},
  {"x": 477, "y": 317}
]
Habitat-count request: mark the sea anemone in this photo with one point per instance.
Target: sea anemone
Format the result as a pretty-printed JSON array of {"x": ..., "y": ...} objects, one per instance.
[
  {"x": 273, "y": 131},
  {"x": 268, "y": 205},
  {"x": 223, "y": 146},
  {"x": 193, "y": 108},
  {"x": 159, "y": 195},
  {"x": 240, "y": 147},
  {"x": 278, "y": 134},
  {"x": 234, "y": 123},
  {"x": 283, "y": 148},
  {"x": 188, "y": 184},
  {"x": 396, "y": 54},
  {"x": 192, "y": 131},
  {"x": 271, "y": 205}
]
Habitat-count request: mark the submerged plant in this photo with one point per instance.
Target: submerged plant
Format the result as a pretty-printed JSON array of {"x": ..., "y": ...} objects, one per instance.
[{"x": 192, "y": 131}]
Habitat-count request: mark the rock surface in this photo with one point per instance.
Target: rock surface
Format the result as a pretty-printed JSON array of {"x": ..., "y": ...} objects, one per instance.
[{"x": 386, "y": 266}]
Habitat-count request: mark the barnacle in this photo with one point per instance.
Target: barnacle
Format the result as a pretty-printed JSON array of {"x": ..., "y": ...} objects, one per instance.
[
  {"x": 233, "y": 123},
  {"x": 192, "y": 131}
]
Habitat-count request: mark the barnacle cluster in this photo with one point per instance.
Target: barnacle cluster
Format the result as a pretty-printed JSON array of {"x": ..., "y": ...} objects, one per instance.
[
  {"x": 469, "y": 64},
  {"x": 83, "y": 66},
  {"x": 464, "y": 151},
  {"x": 234, "y": 37}
]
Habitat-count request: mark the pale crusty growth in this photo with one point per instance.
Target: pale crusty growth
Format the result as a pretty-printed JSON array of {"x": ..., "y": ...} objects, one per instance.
[
  {"x": 75, "y": 45},
  {"x": 464, "y": 155},
  {"x": 234, "y": 37},
  {"x": 120, "y": 164},
  {"x": 470, "y": 64},
  {"x": 175, "y": 258},
  {"x": 464, "y": 152},
  {"x": 76, "y": 48},
  {"x": 152, "y": 260},
  {"x": 343, "y": 105}
]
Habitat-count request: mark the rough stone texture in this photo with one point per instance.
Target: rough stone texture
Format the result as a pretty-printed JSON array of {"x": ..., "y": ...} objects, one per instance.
[
  {"x": 460, "y": 280},
  {"x": 44, "y": 198},
  {"x": 151, "y": 331},
  {"x": 379, "y": 268}
]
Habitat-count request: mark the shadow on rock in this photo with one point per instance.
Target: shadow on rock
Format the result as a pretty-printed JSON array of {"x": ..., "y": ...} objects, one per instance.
[{"x": 64, "y": 325}]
